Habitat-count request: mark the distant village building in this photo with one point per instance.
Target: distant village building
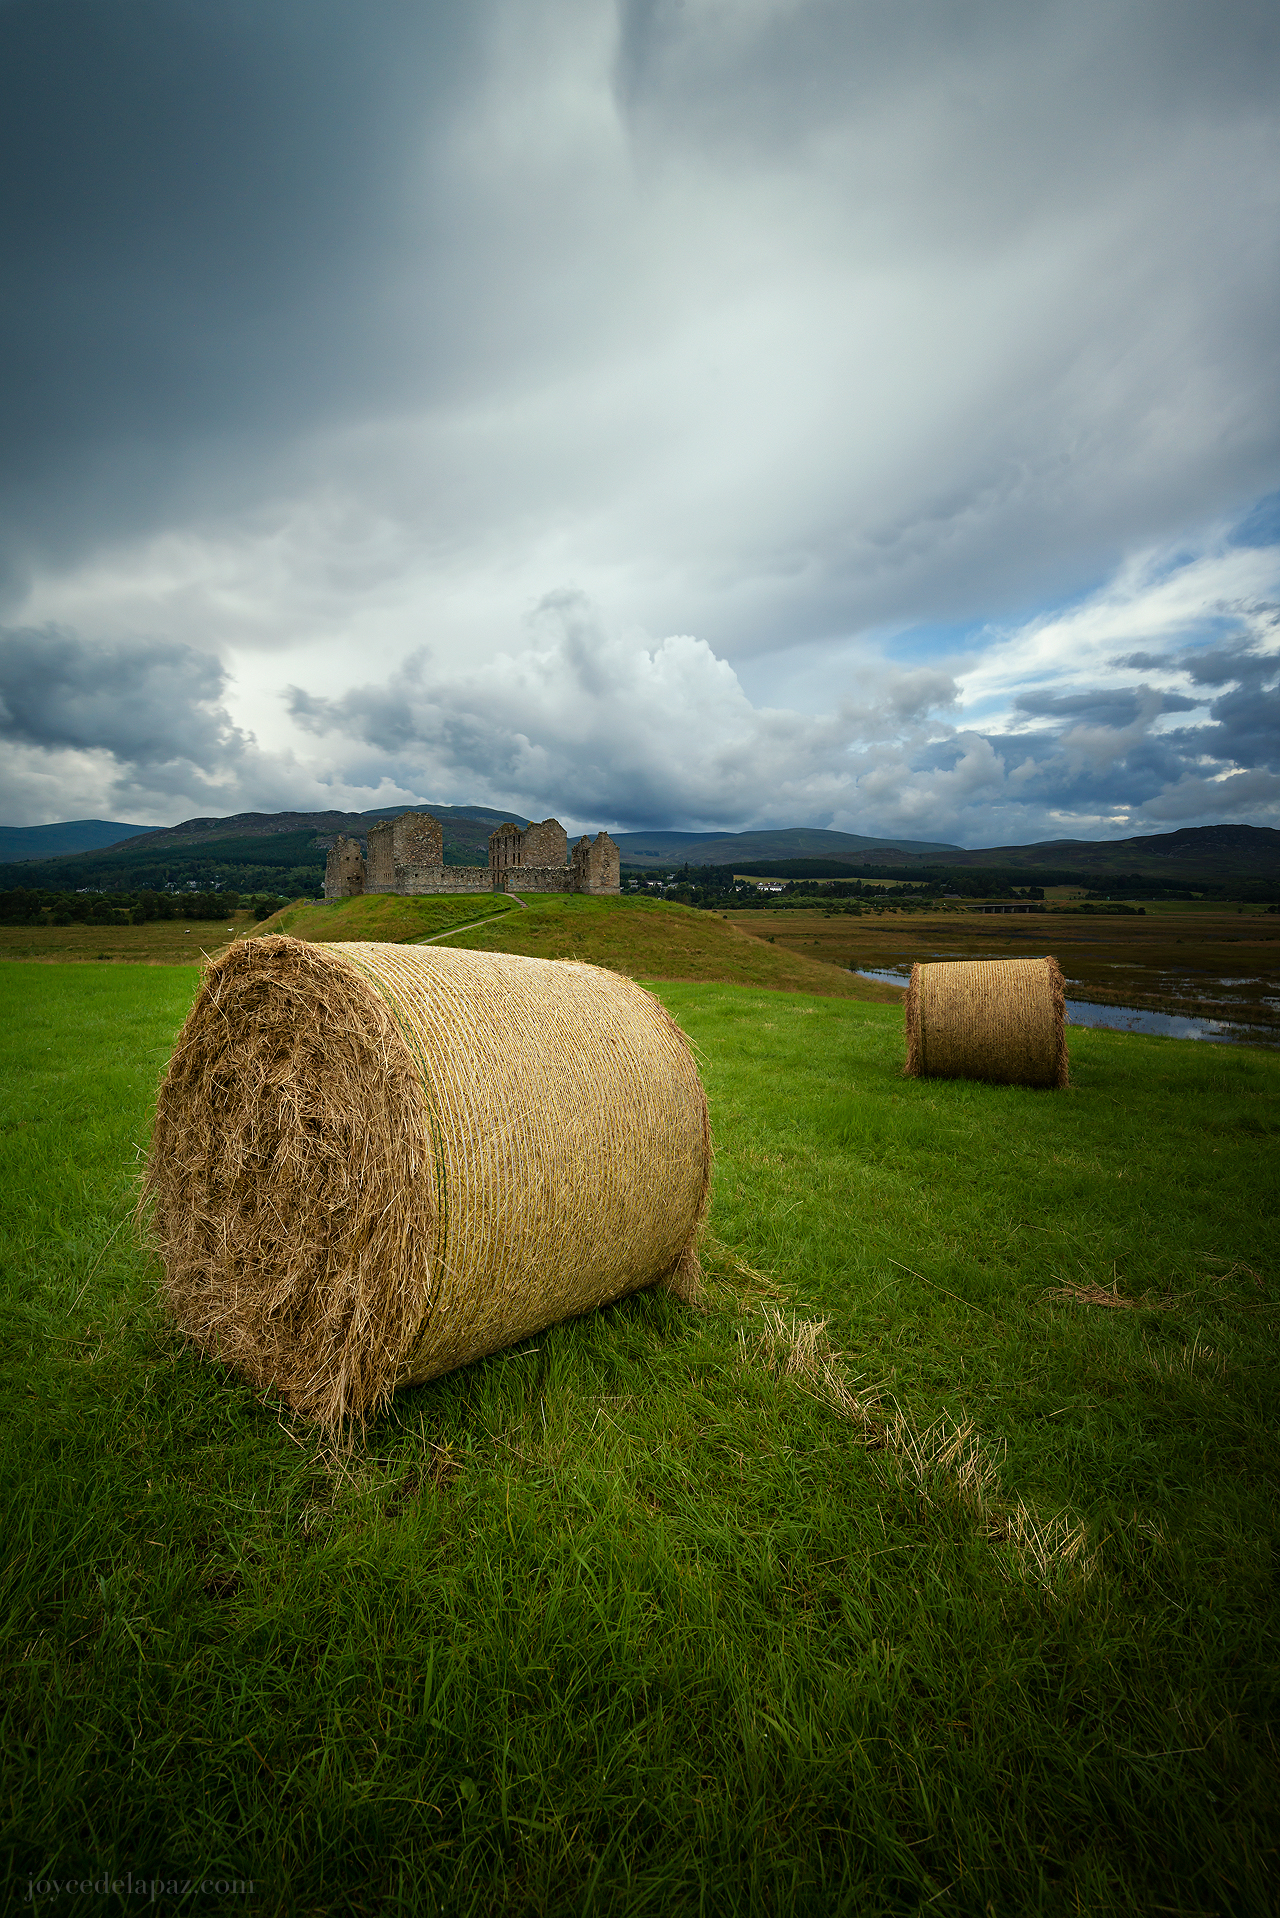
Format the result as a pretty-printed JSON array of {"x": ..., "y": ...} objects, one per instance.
[{"x": 406, "y": 855}]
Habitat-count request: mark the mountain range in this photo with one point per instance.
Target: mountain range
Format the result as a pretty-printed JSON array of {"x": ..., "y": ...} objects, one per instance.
[
  {"x": 643, "y": 849},
  {"x": 95, "y": 835},
  {"x": 284, "y": 851}
]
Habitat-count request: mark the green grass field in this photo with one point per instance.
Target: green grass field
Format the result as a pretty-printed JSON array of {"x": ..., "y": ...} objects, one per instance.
[{"x": 966, "y": 1604}]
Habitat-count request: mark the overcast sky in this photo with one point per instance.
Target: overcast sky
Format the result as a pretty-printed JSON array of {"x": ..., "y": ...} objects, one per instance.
[{"x": 855, "y": 413}]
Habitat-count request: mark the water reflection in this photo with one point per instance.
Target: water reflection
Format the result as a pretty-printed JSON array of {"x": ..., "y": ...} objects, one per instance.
[
  {"x": 1165, "y": 1025},
  {"x": 1168, "y": 1025}
]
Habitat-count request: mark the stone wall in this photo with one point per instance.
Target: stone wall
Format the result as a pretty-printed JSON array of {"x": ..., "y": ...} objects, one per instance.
[
  {"x": 419, "y": 840},
  {"x": 535, "y": 879},
  {"x": 504, "y": 847},
  {"x": 344, "y": 870},
  {"x": 546, "y": 844},
  {"x": 417, "y": 879},
  {"x": 380, "y": 865}
]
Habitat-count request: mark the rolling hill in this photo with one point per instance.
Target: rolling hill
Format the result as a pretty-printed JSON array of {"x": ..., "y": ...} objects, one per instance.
[
  {"x": 640, "y": 850},
  {"x": 1195, "y": 852},
  {"x": 469, "y": 824},
  {"x": 284, "y": 852},
  {"x": 71, "y": 835},
  {"x": 247, "y": 852},
  {"x": 1198, "y": 855}
]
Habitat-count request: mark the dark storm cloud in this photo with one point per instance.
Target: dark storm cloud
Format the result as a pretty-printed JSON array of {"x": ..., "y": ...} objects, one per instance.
[
  {"x": 1106, "y": 706},
  {"x": 236, "y": 219},
  {"x": 147, "y": 703},
  {"x": 409, "y": 713},
  {"x": 1242, "y": 727},
  {"x": 1220, "y": 665},
  {"x": 1244, "y": 720},
  {"x": 1142, "y": 662},
  {"x": 1071, "y": 89},
  {"x": 200, "y": 201}
]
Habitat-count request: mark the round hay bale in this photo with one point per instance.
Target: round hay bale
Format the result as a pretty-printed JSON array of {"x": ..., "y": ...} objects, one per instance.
[
  {"x": 997, "y": 1019},
  {"x": 373, "y": 1163}
]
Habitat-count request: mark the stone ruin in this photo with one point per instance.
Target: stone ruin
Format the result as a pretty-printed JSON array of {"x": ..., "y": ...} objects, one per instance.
[
  {"x": 596, "y": 865},
  {"x": 406, "y": 855},
  {"x": 344, "y": 869}
]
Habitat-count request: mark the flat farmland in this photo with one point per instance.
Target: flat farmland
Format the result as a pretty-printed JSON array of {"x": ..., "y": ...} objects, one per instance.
[
  {"x": 167, "y": 942},
  {"x": 1212, "y": 964},
  {"x": 160, "y": 942},
  {"x": 1208, "y": 962}
]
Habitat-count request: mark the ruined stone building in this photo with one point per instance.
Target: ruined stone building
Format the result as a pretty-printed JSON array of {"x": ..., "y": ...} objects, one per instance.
[
  {"x": 400, "y": 849},
  {"x": 406, "y": 855},
  {"x": 344, "y": 869},
  {"x": 545, "y": 847},
  {"x": 596, "y": 865}
]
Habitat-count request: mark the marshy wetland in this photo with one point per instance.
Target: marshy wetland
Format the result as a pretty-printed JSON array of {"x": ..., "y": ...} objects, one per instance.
[{"x": 1185, "y": 961}]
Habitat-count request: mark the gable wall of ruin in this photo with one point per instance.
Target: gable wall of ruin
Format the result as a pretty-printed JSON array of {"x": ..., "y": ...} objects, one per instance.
[
  {"x": 597, "y": 865},
  {"x": 545, "y": 844},
  {"x": 344, "y": 869},
  {"x": 380, "y": 864},
  {"x": 417, "y": 840}
]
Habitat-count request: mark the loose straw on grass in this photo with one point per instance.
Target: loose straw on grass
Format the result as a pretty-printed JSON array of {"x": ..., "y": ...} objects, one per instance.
[{"x": 943, "y": 1461}]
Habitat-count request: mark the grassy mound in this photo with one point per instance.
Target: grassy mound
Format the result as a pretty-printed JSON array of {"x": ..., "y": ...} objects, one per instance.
[
  {"x": 651, "y": 939},
  {"x": 380, "y": 916},
  {"x": 644, "y": 938},
  {"x": 964, "y": 1602}
]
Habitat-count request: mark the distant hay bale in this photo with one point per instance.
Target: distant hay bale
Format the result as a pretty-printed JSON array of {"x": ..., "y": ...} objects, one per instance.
[
  {"x": 997, "y": 1019},
  {"x": 373, "y": 1163}
]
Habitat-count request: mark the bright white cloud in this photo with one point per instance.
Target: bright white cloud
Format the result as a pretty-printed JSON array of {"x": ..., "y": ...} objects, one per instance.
[
  {"x": 604, "y": 727},
  {"x": 1159, "y": 602}
]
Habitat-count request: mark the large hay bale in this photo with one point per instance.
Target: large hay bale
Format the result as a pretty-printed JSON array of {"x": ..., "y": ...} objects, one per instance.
[
  {"x": 373, "y": 1163},
  {"x": 997, "y": 1019}
]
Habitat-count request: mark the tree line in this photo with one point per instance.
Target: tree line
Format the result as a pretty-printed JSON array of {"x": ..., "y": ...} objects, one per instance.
[
  {"x": 39, "y": 905},
  {"x": 713, "y": 886}
]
